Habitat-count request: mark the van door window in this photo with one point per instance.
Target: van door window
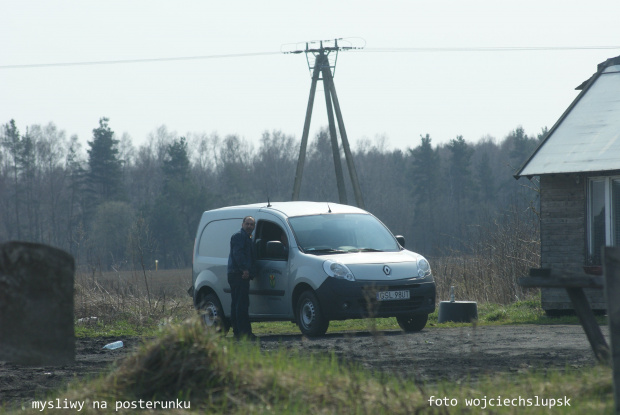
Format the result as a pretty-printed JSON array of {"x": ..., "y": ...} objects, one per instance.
[{"x": 270, "y": 232}]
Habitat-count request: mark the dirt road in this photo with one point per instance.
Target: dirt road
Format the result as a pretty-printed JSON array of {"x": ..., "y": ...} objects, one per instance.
[
  {"x": 457, "y": 353},
  {"x": 430, "y": 355}
]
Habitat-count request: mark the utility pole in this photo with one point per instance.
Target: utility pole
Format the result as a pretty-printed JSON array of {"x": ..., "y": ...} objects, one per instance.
[{"x": 322, "y": 70}]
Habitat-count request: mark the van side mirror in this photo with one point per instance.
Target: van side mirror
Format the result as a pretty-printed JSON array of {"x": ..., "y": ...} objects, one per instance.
[
  {"x": 401, "y": 240},
  {"x": 276, "y": 250}
]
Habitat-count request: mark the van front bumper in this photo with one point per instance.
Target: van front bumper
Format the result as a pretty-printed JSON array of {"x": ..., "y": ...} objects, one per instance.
[{"x": 341, "y": 299}]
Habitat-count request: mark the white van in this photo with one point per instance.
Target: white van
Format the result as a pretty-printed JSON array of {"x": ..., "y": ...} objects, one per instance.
[{"x": 316, "y": 262}]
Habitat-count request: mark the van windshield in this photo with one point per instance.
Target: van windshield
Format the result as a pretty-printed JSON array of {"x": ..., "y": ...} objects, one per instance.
[{"x": 342, "y": 233}]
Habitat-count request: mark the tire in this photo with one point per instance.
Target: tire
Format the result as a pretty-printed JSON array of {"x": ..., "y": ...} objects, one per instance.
[
  {"x": 412, "y": 323},
  {"x": 212, "y": 314},
  {"x": 309, "y": 316}
]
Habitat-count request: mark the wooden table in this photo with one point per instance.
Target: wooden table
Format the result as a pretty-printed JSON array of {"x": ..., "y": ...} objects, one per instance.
[{"x": 574, "y": 283}]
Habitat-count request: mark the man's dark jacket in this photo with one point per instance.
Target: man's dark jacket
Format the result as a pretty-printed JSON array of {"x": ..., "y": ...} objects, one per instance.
[{"x": 241, "y": 256}]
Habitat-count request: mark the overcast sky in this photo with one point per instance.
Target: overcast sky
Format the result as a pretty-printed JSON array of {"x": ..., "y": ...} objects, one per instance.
[{"x": 242, "y": 84}]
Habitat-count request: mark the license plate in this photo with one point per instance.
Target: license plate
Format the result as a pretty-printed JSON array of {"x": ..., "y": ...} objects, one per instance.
[{"x": 393, "y": 295}]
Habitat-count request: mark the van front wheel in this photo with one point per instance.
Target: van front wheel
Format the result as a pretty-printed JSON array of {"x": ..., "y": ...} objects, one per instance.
[
  {"x": 412, "y": 323},
  {"x": 310, "y": 318},
  {"x": 212, "y": 314}
]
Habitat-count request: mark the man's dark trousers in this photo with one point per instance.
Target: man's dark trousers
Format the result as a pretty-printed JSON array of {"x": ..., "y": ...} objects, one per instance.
[{"x": 240, "y": 293}]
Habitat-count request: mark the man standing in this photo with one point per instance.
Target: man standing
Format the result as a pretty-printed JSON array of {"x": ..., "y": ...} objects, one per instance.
[{"x": 241, "y": 270}]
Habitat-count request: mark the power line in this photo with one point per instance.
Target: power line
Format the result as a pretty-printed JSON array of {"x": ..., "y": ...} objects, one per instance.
[
  {"x": 372, "y": 50},
  {"x": 489, "y": 49},
  {"x": 147, "y": 60}
]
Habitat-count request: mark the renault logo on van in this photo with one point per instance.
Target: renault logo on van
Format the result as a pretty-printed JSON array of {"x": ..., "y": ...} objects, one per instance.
[{"x": 387, "y": 270}]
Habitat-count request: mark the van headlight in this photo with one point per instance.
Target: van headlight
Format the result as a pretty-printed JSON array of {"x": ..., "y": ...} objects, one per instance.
[
  {"x": 338, "y": 270},
  {"x": 424, "y": 268}
]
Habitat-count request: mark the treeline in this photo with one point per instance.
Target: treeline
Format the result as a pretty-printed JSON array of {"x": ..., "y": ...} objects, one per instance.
[{"x": 116, "y": 206}]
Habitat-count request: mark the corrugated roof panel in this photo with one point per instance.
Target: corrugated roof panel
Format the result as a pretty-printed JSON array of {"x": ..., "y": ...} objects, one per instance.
[{"x": 588, "y": 139}]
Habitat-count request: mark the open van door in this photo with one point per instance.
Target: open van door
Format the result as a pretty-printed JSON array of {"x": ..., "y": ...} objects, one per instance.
[{"x": 269, "y": 289}]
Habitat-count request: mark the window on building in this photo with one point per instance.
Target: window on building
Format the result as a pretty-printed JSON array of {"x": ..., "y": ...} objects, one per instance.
[{"x": 603, "y": 215}]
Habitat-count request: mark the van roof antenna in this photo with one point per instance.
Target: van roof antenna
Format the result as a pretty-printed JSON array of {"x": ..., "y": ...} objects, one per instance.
[
  {"x": 268, "y": 202},
  {"x": 329, "y": 209}
]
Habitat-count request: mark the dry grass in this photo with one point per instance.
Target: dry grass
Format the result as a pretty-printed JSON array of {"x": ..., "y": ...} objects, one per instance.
[
  {"x": 132, "y": 296},
  {"x": 482, "y": 279},
  {"x": 498, "y": 254}
]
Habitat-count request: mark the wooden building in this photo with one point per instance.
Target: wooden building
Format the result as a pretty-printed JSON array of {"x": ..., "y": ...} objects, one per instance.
[{"x": 578, "y": 163}]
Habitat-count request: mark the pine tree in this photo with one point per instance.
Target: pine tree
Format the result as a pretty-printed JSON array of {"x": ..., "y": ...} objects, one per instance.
[
  {"x": 176, "y": 166},
  {"x": 424, "y": 171},
  {"x": 461, "y": 184},
  {"x": 426, "y": 188},
  {"x": 104, "y": 176},
  {"x": 174, "y": 217}
]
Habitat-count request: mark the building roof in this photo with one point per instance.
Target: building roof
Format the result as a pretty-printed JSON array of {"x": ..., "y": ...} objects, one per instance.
[{"x": 586, "y": 138}]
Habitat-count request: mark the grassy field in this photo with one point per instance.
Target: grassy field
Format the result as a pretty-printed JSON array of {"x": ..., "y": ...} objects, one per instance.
[{"x": 185, "y": 365}]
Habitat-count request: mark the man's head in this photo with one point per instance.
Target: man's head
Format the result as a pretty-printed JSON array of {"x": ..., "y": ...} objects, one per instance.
[{"x": 248, "y": 224}]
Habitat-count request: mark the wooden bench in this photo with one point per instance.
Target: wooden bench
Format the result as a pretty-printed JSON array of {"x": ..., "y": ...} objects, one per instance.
[{"x": 574, "y": 283}]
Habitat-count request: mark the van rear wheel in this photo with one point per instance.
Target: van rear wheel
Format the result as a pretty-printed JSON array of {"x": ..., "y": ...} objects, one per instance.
[
  {"x": 310, "y": 318},
  {"x": 212, "y": 314},
  {"x": 412, "y": 323}
]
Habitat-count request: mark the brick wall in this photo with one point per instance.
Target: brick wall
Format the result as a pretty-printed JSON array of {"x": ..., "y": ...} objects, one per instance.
[
  {"x": 563, "y": 234},
  {"x": 562, "y": 227}
]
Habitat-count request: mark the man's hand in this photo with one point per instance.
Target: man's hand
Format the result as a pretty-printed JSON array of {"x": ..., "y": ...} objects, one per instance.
[{"x": 245, "y": 275}]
